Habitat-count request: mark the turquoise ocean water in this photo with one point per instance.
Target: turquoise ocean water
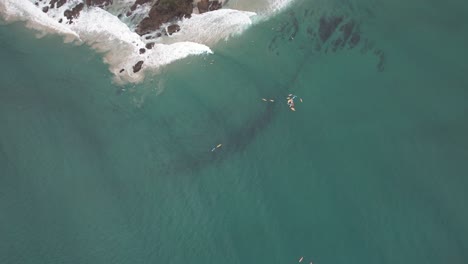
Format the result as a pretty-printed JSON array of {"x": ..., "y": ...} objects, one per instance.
[{"x": 371, "y": 168}]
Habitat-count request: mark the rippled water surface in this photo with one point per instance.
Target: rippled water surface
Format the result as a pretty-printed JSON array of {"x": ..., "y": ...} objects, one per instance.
[{"x": 370, "y": 168}]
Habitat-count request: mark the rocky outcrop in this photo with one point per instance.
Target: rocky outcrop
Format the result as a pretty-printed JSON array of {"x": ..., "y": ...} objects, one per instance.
[
  {"x": 137, "y": 3},
  {"x": 203, "y": 6},
  {"x": 172, "y": 29},
  {"x": 137, "y": 66},
  {"x": 164, "y": 11},
  {"x": 206, "y": 5},
  {"x": 98, "y": 3},
  {"x": 59, "y": 3},
  {"x": 74, "y": 12},
  {"x": 161, "y": 12}
]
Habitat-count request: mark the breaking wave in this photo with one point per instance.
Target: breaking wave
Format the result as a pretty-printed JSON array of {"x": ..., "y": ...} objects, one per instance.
[{"x": 111, "y": 31}]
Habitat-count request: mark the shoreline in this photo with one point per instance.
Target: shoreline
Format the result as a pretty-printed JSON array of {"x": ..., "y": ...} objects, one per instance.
[{"x": 134, "y": 38}]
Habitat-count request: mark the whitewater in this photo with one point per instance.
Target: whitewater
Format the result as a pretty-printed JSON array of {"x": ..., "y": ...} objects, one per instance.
[{"x": 108, "y": 32}]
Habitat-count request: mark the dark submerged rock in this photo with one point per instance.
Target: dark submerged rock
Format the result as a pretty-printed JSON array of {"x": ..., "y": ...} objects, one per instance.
[
  {"x": 327, "y": 26},
  {"x": 142, "y": 51},
  {"x": 137, "y": 66},
  {"x": 347, "y": 29},
  {"x": 149, "y": 45},
  {"x": 337, "y": 43},
  {"x": 45, "y": 9},
  {"x": 332, "y": 33},
  {"x": 381, "y": 56},
  {"x": 355, "y": 38},
  {"x": 164, "y": 11},
  {"x": 121, "y": 70}
]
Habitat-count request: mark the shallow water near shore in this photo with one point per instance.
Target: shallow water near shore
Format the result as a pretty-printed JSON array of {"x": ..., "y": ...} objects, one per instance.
[{"x": 369, "y": 169}]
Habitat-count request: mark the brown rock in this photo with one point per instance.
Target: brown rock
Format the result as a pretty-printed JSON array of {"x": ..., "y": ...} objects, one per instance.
[
  {"x": 157, "y": 35},
  {"x": 137, "y": 66},
  {"x": 74, "y": 13},
  {"x": 164, "y": 11},
  {"x": 149, "y": 45},
  {"x": 137, "y": 3},
  {"x": 59, "y": 3},
  {"x": 215, "y": 5},
  {"x": 98, "y": 3},
  {"x": 121, "y": 70},
  {"x": 172, "y": 29},
  {"x": 142, "y": 51},
  {"x": 45, "y": 9},
  {"x": 205, "y": 6}
]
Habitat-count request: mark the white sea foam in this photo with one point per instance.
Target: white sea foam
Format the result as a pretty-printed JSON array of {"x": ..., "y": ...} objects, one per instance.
[
  {"x": 104, "y": 32},
  {"x": 211, "y": 27},
  {"x": 121, "y": 45},
  {"x": 264, "y": 8},
  {"x": 22, "y": 10},
  {"x": 121, "y": 7}
]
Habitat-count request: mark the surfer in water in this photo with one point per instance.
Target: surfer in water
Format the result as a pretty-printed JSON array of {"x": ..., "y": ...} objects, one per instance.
[
  {"x": 290, "y": 99},
  {"x": 217, "y": 146}
]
